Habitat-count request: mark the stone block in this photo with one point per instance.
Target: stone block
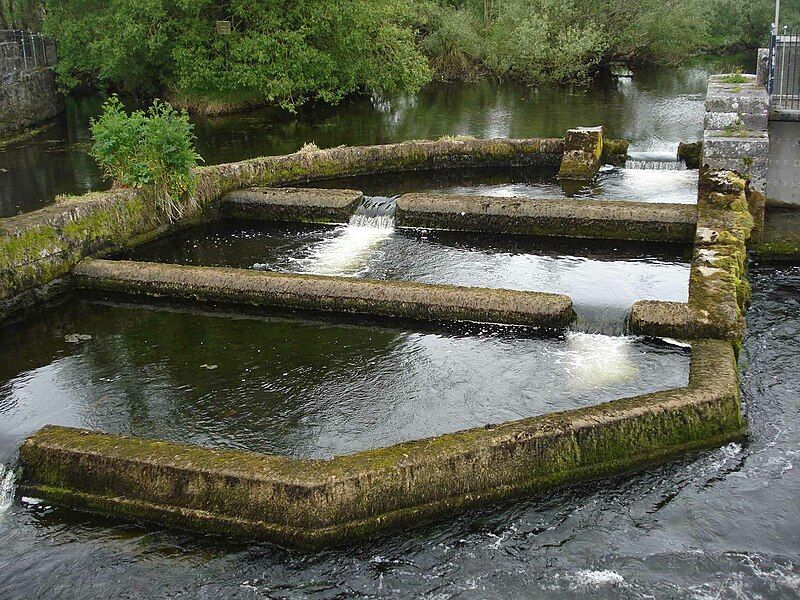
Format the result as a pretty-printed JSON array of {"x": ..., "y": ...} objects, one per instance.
[
  {"x": 747, "y": 155},
  {"x": 583, "y": 148},
  {"x": 718, "y": 121},
  {"x": 746, "y": 97}
]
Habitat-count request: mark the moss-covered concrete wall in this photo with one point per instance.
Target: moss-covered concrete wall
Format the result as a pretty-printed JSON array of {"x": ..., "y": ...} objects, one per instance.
[
  {"x": 307, "y": 205},
  {"x": 38, "y": 248},
  {"x": 311, "y": 502},
  {"x": 576, "y": 218},
  {"x": 718, "y": 287},
  {"x": 326, "y": 293},
  {"x": 583, "y": 150}
]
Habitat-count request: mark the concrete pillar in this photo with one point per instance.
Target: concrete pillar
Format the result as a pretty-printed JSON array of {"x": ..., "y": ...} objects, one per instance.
[
  {"x": 762, "y": 66},
  {"x": 583, "y": 148}
]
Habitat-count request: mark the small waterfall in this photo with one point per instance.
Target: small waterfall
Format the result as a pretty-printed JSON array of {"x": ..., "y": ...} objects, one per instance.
[
  {"x": 666, "y": 160},
  {"x": 350, "y": 249},
  {"x": 656, "y": 165},
  {"x": 7, "y": 481},
  {"x": 376, "y": 212}
]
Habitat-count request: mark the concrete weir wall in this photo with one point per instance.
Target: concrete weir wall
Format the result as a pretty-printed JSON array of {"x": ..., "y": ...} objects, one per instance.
[
  {"x": 718, "y": 287},
  {"x": 309, "y": 205},
  {"x": 326, "y": 293},
  {"x": 312, "y": 502},
  {"x": 576, "y": 218},
  {"x": 38, "y": 249}
]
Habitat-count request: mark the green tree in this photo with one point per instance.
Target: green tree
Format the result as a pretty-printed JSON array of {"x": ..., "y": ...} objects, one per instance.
[{"x": 284, "y": 52}]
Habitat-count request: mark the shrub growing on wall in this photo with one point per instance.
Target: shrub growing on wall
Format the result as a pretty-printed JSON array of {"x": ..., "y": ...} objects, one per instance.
[{"x": 154, "y": 148}]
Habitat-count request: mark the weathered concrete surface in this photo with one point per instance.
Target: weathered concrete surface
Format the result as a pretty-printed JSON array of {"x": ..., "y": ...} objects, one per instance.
[
  {"x": 577, "y": 218},
  {"x": 28, "y": 98},
  {"x": 326, "y": 293},
  {"x": 583, "y": 149},
  {"x": 781, "y": 238},
  {"x": 40, "y": 248},
  {"x": 615, "y": 152},
  {"x": 735, "y": 137},
  {"x": 30, "y": 245},
  {"x": 783, "y": 183},
  {"x": 691, "y": 153},
  {"x": 311, "y": 502},
  {"x": 718, "y": 287},
  {"x": 310, "y": 205}
]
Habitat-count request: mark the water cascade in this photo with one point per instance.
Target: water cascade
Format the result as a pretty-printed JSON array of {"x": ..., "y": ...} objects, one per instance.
[
  {"x": 655, "y": 161},
  {"x": 7, "y": 480},
  {"x": 349, "y": 250}
]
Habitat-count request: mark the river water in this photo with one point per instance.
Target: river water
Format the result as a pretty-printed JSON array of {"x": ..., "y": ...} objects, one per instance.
[
  {"x": 721, "y": 523},
  {"x": 654, "y": 109},
  {"x": 602, "y": 279}
]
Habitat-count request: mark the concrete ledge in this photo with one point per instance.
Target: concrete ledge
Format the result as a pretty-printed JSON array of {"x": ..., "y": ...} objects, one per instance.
[
  {"x": 602, "y": 219},
  {"x": 718, "y": 287},
  {"x": 312, "y": 502},
  {"x": 310, "y": 205},
  {"x": 326, "y": 293},
  {"x": 39, "y": 247}
]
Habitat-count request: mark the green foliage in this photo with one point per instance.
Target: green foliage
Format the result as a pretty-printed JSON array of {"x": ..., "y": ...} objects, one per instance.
[
  {"x": 154, "y": 147},
  {"x": 21, "y": 14},
  {"x": 559, "y": 40},
  {"x": 291, "y": 52},
  {"x": 543, "y": 45},
  {"x": 735, "y": 77},
  {"x": 284, "y": 52}
]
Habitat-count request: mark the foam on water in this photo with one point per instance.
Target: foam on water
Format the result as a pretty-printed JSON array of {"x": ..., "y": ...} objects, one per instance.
[
  {"x": 591, "y": 578},
  {"x": 594, "y": 360},
  {"x": 349, "y": 250}
]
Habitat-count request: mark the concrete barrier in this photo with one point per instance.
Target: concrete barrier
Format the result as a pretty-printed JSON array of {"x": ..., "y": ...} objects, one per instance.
[
  {"x": 576, "y": 218},
  {"x": 583, "y": 151},
  {"x": 718, "y": 287},
  {"x": 39, "y": 248},
  {"x": 310, "y": 205},
  {"x": 312, "y": 502},
  {"x": 326, "y": 293}
]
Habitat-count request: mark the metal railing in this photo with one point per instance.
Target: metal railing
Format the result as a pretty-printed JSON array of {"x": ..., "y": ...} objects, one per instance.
[
  {"x": 783, "y": 84},
  {"x": 22, "y": 50}
]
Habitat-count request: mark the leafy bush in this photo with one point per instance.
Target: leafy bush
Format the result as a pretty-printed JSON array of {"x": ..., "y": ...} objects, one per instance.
[
  {"x": 283, "y": 52},
  {"x": 148, "y": 148}
]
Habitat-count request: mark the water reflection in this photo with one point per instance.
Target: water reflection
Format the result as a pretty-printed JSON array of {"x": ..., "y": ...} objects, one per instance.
[
  {"x": 655, "y": 109},
  {"x": 302, "y": 387}
]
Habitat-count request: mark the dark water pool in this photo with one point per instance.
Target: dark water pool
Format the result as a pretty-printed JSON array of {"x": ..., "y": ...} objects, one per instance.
[
  {"x": 716, "y": 524},
  {"x": 604, "y": 279},
  {"x": 655, "y": 109}
]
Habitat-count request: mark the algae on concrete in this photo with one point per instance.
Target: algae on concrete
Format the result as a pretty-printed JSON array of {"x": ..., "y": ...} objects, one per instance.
[
  {"x": 583, "y": 149},
  {"x": 313, "y": 502}
]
